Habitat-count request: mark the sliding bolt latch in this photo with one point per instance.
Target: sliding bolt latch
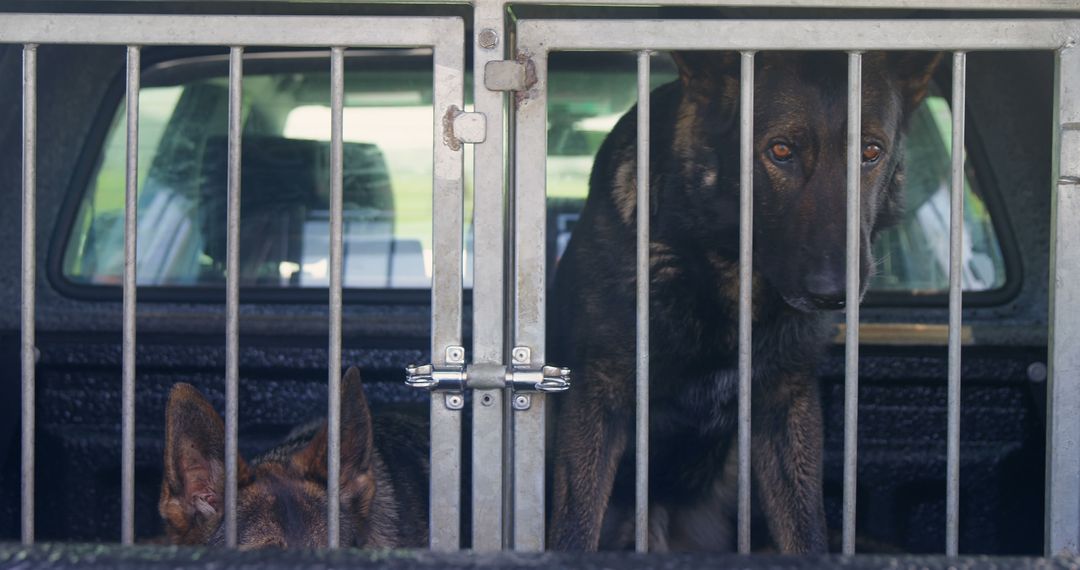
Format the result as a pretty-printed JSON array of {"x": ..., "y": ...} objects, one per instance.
[
  {"x": 522, "y": 377},
  {"x": 445, "y": 378}
]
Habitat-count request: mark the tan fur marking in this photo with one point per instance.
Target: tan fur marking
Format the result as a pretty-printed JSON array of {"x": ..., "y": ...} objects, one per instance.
[{"x": 626, "y": 191}]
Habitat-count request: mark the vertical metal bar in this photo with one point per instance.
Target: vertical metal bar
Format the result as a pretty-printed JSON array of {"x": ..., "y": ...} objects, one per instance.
[
  {"x": 127, "y": 524},
  {"x": 487, "y": 470},
  {"x": 232, "y": 291},
  {"x": 1063, "y": 389},
  {"x": 489, "y": 477},
  {"x": 446, "y": 291},
  {"x": 529, "y": 434},
  {"x": 526, "y": 529},
  {"x": 956, "y": 227},
  {"x": 29, "y": 278},
  {"x": 851, "y": 345},
  {"x": 333, "y": 448},
  {"x": 641, "y": 511},
  {"x": 530, "y": 231},
  {"x": 522, "y": 438},
  {"x": 746, "y": 263},
  {"x": 489, "y": 244}
]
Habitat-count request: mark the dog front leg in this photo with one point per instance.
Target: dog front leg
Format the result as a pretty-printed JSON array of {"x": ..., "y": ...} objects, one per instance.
[
  {"x": 786, "y": 460},
  {"x": 591, "y": 437}
]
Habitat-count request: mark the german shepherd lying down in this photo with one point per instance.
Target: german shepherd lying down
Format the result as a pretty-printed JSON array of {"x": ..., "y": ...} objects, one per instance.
[
  {"x": 281, "y": 501},
  {"x": 799, "y": 147}
]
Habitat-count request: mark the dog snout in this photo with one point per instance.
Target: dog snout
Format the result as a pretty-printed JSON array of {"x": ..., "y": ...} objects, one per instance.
[{"x": 826, "y": 289}]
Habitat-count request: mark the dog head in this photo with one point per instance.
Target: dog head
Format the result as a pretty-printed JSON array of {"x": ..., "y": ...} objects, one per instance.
[
  {"x": 281, "y": 499},
  {"x": 799, "y": 156}
]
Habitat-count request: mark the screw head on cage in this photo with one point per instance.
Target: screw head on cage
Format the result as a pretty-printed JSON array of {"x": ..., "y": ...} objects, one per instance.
[
  {"x": 521, "y": 354},
  {"x": 488, "y": 38},
  {"x": 455, "y": 355},
  {"x": 522, "y": 402},
  {"x": 454, "y": 401}
]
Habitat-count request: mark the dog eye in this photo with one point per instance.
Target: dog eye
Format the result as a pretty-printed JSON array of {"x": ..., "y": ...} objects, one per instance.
[
  {"x": 871, "y": 152},
  {"x": 781, "y": 152}
]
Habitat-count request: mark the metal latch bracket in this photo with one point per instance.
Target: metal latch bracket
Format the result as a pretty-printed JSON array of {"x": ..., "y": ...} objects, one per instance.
[
  {"x": 453, "y": 378},
  {"x": 523, "y": 379},
  {"x": 506, "y": 76},
  {"x": 448, "y": 379},
  {"x": 460, "y": 127}
]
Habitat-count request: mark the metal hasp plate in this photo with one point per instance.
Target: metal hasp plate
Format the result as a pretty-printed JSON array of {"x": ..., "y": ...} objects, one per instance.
[
  {"x": 460, "y": 127},
  {"x": 505, "y": 76},
  {"x": 470, "y": 128}
]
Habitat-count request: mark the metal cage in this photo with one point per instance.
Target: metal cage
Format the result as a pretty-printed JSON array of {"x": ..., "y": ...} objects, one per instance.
[{"x": 507, "y": 373}]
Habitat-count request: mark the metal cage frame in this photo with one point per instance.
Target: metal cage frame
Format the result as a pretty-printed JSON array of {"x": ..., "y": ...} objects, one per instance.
[{"x": 507, "y": 372}]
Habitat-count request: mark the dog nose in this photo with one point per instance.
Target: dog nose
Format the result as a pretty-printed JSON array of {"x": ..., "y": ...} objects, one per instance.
[{"x": 826, "y": 292}]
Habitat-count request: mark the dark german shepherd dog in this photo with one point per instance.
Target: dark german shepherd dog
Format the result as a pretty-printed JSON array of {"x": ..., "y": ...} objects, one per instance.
[
  {"x": 281, "y": 500},
  {"x": 799, "y": 147}
]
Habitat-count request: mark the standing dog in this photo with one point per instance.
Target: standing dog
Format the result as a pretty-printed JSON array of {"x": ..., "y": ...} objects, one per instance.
[
  {"x": 799, "y": 151},
  {"x": 281, "y": 499}
]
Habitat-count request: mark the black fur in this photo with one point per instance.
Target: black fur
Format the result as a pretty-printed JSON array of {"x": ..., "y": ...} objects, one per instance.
[{"x": 799, "y": 239}]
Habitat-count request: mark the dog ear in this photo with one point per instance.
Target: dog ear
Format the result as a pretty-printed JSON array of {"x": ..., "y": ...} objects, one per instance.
[
  {"x": 913, "y": 72},
  {"x": 357, "y": 441},
  {"x": 192, "y": 489},
  {"x": 357, "y": 480},
  {"x": 705, "y": 70}
]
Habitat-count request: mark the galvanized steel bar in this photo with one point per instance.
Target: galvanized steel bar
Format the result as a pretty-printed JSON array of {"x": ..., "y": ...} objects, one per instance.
[
  {"x": 333, "y": 448},
  {"x": 956, "y": 227},
  {"x": 529, "y": 425},
  {"x": 445, "y": 486},
  {"x": 746, "y": 263},
  {"x": 487, "y": 470},
  {"x": 800, "y": 35},
  {"x": 446, "y": 286},
  {"x": 968, "y": 5},
  {"x": 29, "y": 280},
  {"x": 529, "y": 219},
  {"x": 321, "y": 31},
  {"x": 490, "y": 526},
  {"x": 525, "y": 497},
  {"x": 641, "y": 510},
  {"x": 232, "y": 291},
  {"x": 980, "y": 5},
  {"x": 528, "y": 476},
  {"x": 218, "y": 30},
  {"x": 131, "y": 196},
  {"x": 851, "y": 344},
  {"x": 1063, "y": 389}
]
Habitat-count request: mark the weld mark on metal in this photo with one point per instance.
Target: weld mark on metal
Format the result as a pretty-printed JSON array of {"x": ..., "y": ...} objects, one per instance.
[
  {"x": 524, "y": 58},
  {"x": 448, "y": 128},
  {"x": 1069, "y": 181}
]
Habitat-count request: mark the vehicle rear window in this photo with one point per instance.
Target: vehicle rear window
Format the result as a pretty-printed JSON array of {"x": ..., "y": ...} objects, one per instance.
[
  {"x": 911, "y": 257},
  {"x": 284, "y": 229},
  {"x": 388, "y": 176}
]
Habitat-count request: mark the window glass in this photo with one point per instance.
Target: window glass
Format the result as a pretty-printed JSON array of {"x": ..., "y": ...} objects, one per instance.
[
  {"x": 586, "y": 101},
  {"x": 388, "y": 175},
  {"x": 914, "y": 255},
  {"x": 284, "y": 229}
]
